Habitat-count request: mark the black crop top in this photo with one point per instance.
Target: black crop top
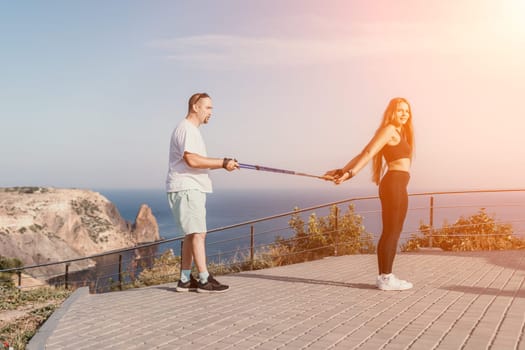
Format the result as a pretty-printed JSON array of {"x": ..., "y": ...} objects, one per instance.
[{"x": 401, "y": 150}]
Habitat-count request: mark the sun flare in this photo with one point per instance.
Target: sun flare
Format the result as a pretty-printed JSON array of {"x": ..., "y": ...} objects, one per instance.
[{"x": 514, "y": 15}]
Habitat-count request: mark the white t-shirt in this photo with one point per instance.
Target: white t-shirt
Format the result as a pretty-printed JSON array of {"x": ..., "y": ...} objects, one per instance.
[{"x": 186, "y": 138}]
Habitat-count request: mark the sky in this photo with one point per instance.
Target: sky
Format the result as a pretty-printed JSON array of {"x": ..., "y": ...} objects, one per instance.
[{"x": 90, "y": 91}]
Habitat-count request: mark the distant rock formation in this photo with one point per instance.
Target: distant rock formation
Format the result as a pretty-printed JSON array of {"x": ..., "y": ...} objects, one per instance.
[
  {"x": 145, "y": 226},
  {"x": 41, "y": 225}
]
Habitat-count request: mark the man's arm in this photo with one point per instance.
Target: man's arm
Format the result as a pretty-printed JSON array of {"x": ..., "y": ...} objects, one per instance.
[{"x": 195, "y": 160}]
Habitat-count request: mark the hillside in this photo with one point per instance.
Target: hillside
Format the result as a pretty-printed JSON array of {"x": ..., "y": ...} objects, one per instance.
[{"x": 40, "y": 225}]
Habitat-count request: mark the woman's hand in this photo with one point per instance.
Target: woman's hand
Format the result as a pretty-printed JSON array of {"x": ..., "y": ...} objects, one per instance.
[
  {"x": 347, "y": 175},
  {"x": 332, "y": 175}
]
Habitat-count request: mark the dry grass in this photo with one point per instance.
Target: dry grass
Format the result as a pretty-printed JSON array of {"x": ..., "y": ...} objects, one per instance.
[{"x": 22, "y": 312}]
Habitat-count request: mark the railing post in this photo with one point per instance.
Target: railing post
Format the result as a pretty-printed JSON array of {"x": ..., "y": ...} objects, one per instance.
[
  {"x": 66, "y": 276},
  {"x": 252, "y": 246},
  {"x": 120, "y": 271},
  {"x": 181, "y": 248},
  {"x": 336, "y": 230},
  {"x": 431, "y": 223},
  {"x": 19, "y": 273}
]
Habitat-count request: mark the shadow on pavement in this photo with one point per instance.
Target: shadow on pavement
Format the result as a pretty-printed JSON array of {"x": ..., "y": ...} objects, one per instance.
[
  {"x": 306, "y": 280},
  {"x": 487, "y": 291}
]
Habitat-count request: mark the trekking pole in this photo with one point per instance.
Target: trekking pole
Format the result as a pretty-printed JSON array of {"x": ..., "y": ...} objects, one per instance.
[{"x": 275, "y": 170}]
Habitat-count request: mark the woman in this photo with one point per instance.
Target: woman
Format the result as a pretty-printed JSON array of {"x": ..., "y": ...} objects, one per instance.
[{"x": 393, "y": 141}]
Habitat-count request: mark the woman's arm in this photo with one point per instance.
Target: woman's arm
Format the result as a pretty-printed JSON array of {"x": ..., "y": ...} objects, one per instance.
[{"x": 380, "y": 139}]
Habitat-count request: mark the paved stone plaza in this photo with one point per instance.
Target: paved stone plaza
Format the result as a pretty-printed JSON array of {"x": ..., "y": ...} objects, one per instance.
[{"x": 459, "y": 301}]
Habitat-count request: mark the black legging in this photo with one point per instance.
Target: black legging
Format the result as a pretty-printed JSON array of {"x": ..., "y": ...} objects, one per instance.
[{"x": 394, "y": 205}]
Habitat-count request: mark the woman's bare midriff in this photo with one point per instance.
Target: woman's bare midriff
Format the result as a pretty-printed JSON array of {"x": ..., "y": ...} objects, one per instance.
[{"x": 402, "y": 164}]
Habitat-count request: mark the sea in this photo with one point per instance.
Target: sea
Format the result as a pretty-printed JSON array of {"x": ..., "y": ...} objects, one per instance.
[{"x": 227, "y": 207}]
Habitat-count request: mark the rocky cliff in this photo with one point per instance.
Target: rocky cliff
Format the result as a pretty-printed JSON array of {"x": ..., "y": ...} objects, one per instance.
[{"x": 41, "y": 225}]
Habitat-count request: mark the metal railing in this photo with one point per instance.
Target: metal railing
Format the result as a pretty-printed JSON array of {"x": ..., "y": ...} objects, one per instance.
[{"x": 241, "y": 242}]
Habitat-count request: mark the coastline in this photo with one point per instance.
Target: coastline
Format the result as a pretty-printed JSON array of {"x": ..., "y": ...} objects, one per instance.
[{"x": 229, "y": 207}]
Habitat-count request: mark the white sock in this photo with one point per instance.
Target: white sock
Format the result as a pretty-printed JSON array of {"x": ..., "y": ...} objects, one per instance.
[
  {"x": 185, "y": 275},
  {"x": 203, "y": 277}
]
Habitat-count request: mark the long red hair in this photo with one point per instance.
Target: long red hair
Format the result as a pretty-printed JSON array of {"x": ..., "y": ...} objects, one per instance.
[{"x": 407, "y": 131}]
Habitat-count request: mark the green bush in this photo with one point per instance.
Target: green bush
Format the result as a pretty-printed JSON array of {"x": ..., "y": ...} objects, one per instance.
[
  {"x": 8, "y": 263},
  {"x": 165, "y": 269},
  {"x": 334, "y": 234},
  {"x": 25, "y": 189},
  {"x": 476, "y": 232},
  {"x": 323, "y": 236}
]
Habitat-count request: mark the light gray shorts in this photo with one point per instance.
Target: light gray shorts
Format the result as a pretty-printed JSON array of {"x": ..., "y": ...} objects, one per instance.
[{"x": 189, "y": 210}]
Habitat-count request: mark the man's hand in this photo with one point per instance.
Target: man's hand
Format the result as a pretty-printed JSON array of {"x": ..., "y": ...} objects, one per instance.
[{"x": 230, "y": 164}]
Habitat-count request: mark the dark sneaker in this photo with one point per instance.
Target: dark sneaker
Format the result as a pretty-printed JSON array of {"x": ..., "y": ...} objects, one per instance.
[
  {"x": 212, "y": 286},
  {"x": 189, "y": 286}
]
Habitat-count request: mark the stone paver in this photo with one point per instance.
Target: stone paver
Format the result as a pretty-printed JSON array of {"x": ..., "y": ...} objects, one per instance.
[{"x": 459, "y": 300}]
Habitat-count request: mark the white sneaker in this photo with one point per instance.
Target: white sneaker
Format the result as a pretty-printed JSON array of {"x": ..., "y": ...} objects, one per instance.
[{"x": 391, "y": 282}]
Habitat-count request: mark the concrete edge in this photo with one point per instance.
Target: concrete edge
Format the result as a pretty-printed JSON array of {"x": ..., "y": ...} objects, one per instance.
[
  {"x": 38, "y": 341},
  {"x": 428, "y": 249}
]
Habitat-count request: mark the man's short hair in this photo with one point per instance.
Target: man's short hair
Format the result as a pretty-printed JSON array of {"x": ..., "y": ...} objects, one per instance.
[{"x": 195, "y": 98}]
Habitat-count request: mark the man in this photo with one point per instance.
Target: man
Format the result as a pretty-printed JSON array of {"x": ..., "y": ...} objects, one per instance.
[{"x": 187, "y": 184}]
